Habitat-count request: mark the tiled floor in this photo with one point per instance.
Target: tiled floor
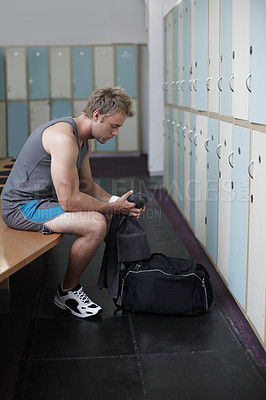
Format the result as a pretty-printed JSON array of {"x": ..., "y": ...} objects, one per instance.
[{"x": 123, "y": 356}]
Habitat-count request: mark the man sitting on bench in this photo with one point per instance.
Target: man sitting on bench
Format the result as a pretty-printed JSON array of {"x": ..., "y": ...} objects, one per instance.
[{"x": 50, "y": 188}]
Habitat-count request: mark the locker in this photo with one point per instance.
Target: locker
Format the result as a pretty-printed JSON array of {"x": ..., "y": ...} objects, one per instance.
[
  {"x": 191, "y": 136},
  {"x": 176, "y": 44},
  {"x": 212, "y": 187},
  {"x": 170, "y": 143},
  {"x": 256, "y": 267},
  {"x": 2, "y": 76},
  {"x": 214, "y": 54},
  {"x": 201, "y": 61},
  {"x": 38, "y": 73},
  {"x": 256, "y": 83},
  {"x": 180, "y": 145},
  {"x": 226, "y": 57},
  {"x": 239, "y": 160},
  {"x": 78, "y": 106},
  {"x": 166, "y": 123},
  {"x": 39, "y": 113},
  {"x": 170, "y": 61},
  {"x": 240, "y": 59},
  {"x": 107, "y": 147},
  {"x": 180, "y": 81},
  {"x": 61, "y": 108},
  {"x": 126, "y": 69},
  {"x": 201, "y": 178},
  {"x": 82, "y": 77},
  {"x": 175, "y": 156},
  {"x": 16, "y": 75},
  {"x": 186, "y": 53},
  {"x": 17, "y": 126},
  {"x": 128, "y": 138},
  {"x": 165, "y": 83},
  {"x": 3, "y": 141},
  {"x": 60, "y": 72},
  {"x": 225, "y": 198},
  {"x": 104, "y": 66},
  {"x": 192, "y": 54},
  {"x": 187, "y": 161}
]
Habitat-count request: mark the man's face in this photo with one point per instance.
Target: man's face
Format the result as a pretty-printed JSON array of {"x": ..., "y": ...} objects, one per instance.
[{"x": 104, "y": 129}]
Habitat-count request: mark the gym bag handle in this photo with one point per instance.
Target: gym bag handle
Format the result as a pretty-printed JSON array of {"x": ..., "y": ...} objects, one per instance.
[{"x": 175, "y": 266}]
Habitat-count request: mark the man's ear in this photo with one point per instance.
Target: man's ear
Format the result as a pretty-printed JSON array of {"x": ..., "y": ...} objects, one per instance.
[{"x": 96, "y": 115}]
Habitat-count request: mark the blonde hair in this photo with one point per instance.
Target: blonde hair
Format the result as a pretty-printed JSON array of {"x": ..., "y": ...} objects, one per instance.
[{"x": 108, "y": 101}]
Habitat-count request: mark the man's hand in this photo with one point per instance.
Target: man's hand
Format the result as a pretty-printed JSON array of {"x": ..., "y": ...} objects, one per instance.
[{"x": 122, "y": 205}]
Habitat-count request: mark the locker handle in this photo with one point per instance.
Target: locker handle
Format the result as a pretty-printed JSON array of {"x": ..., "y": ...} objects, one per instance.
[
  {"x": 190, "y": 84},
  {"x": 173, "y": 85},
  {"x": 163, "y": 85},
  {"x": 248, "y": 79},
  {"x": 230, "y": 83},
  {"x": 194, "y": 84},
  {"x": 230, "y": 159},
  {"x": 182, "y": 85},
  {"x": 194, "y": 140},
  {"x": 208, "y": 83},
  {"x": 177, "y": 85},
  {"x": 249, "y": 168},
  {"x": 206, "y": 144},
  {"x": 190, "y": 135},
  {"x": 217, "y": 150},
  {"x": 184, "y": 130},
  {"x": 166, "y": 85},
  {"x": 177, "y": 128},
  {"x": 219, "y": 83}
]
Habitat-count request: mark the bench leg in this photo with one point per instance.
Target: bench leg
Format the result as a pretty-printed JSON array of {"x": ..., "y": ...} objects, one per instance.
[{"x": 4, "y": 296}]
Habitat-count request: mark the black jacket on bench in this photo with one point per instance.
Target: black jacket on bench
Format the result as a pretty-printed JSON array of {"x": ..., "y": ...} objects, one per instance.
[{"x": 127, "y": 241}]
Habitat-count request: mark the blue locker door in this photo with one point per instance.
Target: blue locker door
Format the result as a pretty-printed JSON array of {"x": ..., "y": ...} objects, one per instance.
[
  {"x": 180, "y": 145},
  {"x": 201, "y": 61},
  {"x": 212, "y": 188},
  {"x": 171, "y": 167},
  {"x": 192, "y": 170},
  {"x": 38, "y": 71},
  {"x": 82, "y": 72},
  {"x": 226, "y": 57},
  {"x": 17, "y": 126},
  {"x": 108, "y": 146},
  {"x": 61, "y": 108},
  {"x": 257, "y": 107},
  {"x": 239, "y": 160},
  {"x": 165, "y": 60},
  {"x": 175, "y": 52},
  {"x": 186, "y": 52},
  {"x": 2, "y": 75},
  {"x": 126, "y": 71}
]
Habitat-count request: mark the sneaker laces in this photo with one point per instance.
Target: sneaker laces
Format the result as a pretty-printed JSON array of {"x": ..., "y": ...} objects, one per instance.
[{"x": 82, "y": 296}]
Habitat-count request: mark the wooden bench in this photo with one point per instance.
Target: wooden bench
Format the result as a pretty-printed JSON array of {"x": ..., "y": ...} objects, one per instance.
[{"x": 19, "y": 248}]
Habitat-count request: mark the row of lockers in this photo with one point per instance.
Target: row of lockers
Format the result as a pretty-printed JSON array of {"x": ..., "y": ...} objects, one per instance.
[
  {"x": 214, "y": 53},
  {"x": 19, "y": 118},
  {"x": 215, "y": 172},
  {"x": 40, "y": 83},
  {"x": 37, "y": 73}
]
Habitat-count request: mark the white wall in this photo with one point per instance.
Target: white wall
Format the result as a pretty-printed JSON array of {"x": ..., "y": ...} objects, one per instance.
[{"x": 59, "y": 22}]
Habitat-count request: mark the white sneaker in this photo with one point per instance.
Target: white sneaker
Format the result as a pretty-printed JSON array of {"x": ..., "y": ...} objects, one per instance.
[{"x": 76, "y": 301}]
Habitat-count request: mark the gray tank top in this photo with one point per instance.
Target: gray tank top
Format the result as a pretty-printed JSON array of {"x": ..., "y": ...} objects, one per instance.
[{"x": 30, "y": 177}]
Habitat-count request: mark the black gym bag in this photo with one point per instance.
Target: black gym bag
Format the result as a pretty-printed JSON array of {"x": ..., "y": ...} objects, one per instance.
[{"x": 165, "y": 285}]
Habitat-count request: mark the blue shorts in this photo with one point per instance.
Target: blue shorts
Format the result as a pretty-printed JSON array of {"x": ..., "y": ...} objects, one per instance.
[{"x": 32, "y": 215}]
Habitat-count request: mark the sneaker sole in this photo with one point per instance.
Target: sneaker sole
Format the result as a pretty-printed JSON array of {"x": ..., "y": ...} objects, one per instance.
[{"x": 58, "y": 302}]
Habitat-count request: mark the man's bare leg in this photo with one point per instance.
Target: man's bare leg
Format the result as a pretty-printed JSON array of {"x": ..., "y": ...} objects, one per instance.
[{"x": 91, "y": 229}]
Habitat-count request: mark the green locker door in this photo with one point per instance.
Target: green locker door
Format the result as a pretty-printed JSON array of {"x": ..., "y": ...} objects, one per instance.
[
  {"x": 38, "y": 71},
  {"x": 82, "y": 72},
  {"x": 60, "y": 74},
  {"x": 104, "y": 67},
  {"x": 17, "y": 126},
  {"x": 126, "y": 71},
  {"x": 3, "y": 144},
  {"x": 61, "y": 108},
  {"x": 16, "y": 75}
]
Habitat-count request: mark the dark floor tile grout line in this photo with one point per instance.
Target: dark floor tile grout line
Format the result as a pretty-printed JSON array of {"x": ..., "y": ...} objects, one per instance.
[
  {"x": 79, "y": 358},
  {"x": 137, "y": 353}
]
